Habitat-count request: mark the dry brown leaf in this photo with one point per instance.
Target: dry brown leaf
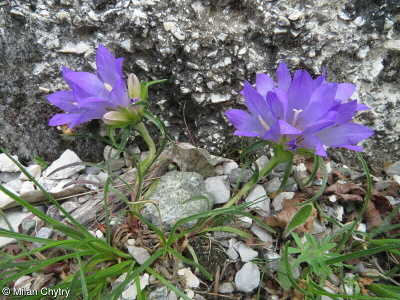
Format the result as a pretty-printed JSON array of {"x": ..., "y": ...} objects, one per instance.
[
  {"x": 372, "y": 216},
  {"x": 282, "y": 218},
  {"x": 382, "y": 203},
  {"x": 354, "y": 192},
  {"x": 345, "y": 188},
  {"x": 334, "y": 176},
  {"x": 350, "y": 197},
  {"x": 393, "y": 190}
]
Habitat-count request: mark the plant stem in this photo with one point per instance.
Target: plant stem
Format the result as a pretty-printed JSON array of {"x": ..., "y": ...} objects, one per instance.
[
  {"x": 152, "y": 148},
  {"x": 273, "y": 162}
]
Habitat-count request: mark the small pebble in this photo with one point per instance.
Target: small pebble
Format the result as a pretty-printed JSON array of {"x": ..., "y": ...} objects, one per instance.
[
  {"x": 140, "y": 254},
  {"x": 226, "y": 288},
  {"x": 246, "y": 253},
  {"x": 189, "y": 279},
  {"x": 261, "y": 233},
  {"x": 229, "y": 166},
  {"x": 247, "y": 278}
]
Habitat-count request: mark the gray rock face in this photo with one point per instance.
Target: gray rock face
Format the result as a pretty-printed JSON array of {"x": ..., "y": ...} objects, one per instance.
[
  {"x": 171, "y": 192},
  {"x": 206, "y": 49}
]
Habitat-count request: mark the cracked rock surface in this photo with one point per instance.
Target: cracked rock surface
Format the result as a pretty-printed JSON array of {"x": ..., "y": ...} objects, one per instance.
[{"x": 206, "y": 49}]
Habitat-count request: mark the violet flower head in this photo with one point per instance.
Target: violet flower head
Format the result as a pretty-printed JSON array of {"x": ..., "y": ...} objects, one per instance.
[
  {"x": 93, "y": 96},
  {"x": 302, "y": 112}
]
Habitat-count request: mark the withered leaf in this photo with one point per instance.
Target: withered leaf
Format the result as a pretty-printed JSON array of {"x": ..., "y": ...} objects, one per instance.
[
  {"x": 372, "y": 216},
  {"x": 283, "y": 217},
  {"x": 345, "y": 188},
  {"x": 334, "y": 176}
]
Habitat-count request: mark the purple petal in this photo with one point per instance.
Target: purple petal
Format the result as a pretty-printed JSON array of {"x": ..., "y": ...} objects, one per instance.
[
  {"x": 314, "y": 143},
  {"x": 278, "y": 102},
  {"x": 245, "y": 123},
  {"x": 109, "y": 69},
  {"x": 273, "y": 134},
  {"x": 95, "y": 103},
  {"x": 283, "y": 76},
  {"x": 347, "y": 134},
  {"x": 74, "y": 119},
  {"x": 344, "y": 91},
  {"x": 64, "y": 100},
  {"x": 317, "y": 126},
  {"x": 361, "y": 107},
  {"x": 299, "y": 93},
  {"x": 80, "y": 94},
  {"x": 286, "y": 128},
  {"x": 87, "y": 83},
  {"x": 264, "y": 84},
  {"x": 119, "y": 95},
  {"x": 245, "y": 133},
  {"x": 62, "y": 119},
  {"x": 65, "y": 71},
  {"x": 346, "y": 112},
  {"x": 319, "y": 81},
  {"x": 257, "y": 104},
  {"x": 321, "y": 102}
]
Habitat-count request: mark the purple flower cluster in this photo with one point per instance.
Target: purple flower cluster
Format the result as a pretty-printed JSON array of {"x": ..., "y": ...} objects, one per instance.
[
  {"x": 93, "y": 96},
  {"x": 301, "y": 112}
]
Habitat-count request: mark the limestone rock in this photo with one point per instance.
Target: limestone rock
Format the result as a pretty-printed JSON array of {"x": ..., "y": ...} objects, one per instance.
[
  {"x": 68, "y": 157},
  {"x": 171, "y": 195},
  {"x": 247, "y": 278},
  {"x": 206, "y": 49}
]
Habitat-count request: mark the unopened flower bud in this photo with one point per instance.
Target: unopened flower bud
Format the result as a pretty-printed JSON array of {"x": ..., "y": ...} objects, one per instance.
[
  {"x": 123, "y": 117},
  {"x": 133, "y": 86}
]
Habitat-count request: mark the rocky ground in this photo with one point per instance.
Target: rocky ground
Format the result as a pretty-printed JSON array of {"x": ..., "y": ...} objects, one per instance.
[{"x": 237, "y": 264}]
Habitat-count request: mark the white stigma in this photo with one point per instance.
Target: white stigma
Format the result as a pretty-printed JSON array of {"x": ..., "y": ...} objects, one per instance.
[
  {"x": 296, "y": 114},
  {"x": 108, "y": 87},
  {"x": 265, "y": 125}
]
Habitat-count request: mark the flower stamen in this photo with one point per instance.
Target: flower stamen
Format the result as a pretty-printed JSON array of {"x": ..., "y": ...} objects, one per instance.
[
  {"x": 263, "y": 123},
  {"x": 108, "y": 87}
]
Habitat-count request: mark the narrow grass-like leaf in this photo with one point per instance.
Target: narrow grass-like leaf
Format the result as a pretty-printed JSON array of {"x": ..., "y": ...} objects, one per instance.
[
  {"x": 38, "y": 265},
  {"x": 299, "y": 218},
  {"x": 199, "y": 197},
  {"x": 385, "y": 290},
  {"x": 82, "y": 276},
  {"x": 234, "y": 211},
  {"x": 112, "y": 271},
  {"x": 288, "y": 269},
  {"x": 106, "y": 211},
  {"x": 286, "y": 175},
  {"x": 360, "y": 215},
  {"x": 188, "y": 261},
  {"x": 31, "y": 208},
  {"x": 33, "y": 239},
  {"x": 362, "y": 253},
  {"x": 228, "y": 229},
  {"x": 385, "y": 225},
  {"x": 317, "y": 290},
  {"x": 323, "y": 184},
  {"x": 130, "y": 276},
  {"x": 167, "y": 283},
  {"x": 314, "y": 170},
  {"x": 252, "y": 148}
]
